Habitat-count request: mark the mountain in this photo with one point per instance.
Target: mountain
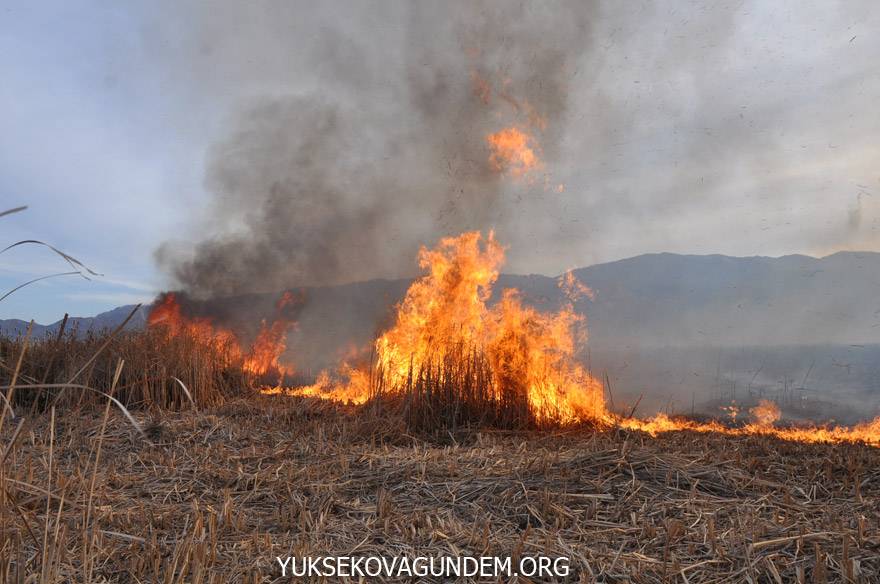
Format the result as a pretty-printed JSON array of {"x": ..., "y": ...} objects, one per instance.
[
  {"x": 82, "y": 324},
  {"x": 668, "y": 299},
  {"x": 666, "y": 325},
  {"x": 650, "y": 300}
]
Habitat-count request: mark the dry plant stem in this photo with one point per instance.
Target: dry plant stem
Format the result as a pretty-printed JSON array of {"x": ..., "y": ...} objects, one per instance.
[
  {"x": 224, "y": 490},
  {"x": 100, "y": 350},
  {"x": 10, "y": 393},
  {"x": 87, "y": 529},
  {"x": 44, "y": 567},
  {"x": 34, "y": 281},
  {"x": 13, "y": 210},
  {"x": 54, "y": 353},
  {"x": 12, "y": 442},
  {"x": 109, "y": 397},
  {"x": 169, "y": 372}
]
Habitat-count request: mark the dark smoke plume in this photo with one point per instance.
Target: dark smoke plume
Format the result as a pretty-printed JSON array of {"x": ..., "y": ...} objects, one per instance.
[{"x": 387, "y": 151}]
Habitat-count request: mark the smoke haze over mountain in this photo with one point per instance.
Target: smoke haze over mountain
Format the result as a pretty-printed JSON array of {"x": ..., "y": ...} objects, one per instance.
[
  {"x": 360, "y": 133},
  {"x": 265, "y": 144},
  {"x": 345, "y": 180}
]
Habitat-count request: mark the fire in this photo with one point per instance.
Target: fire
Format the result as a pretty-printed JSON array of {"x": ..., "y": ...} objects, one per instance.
[
  {"x": 732, "y": 411},
  {"x": 513, "y": 152},
  {"x": 866, "y": 432},
  {"x": 167, "y": 314},
  {"x": 271, "y": 343},
  {"x": 355, "y": 391},
  {"x": 260, "y": 359},
  {"x": 573, "y": 288},
  {"x": 446, "y": 310},
  {"x": 766, "y": 412}
]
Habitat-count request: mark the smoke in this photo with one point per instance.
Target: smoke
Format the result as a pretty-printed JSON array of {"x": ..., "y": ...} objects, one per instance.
[
  {"x": 340, "y": 174},
  {"x": 719, "y": 128}
]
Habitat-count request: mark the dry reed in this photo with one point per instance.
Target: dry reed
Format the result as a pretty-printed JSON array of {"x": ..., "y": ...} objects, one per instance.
[{"x": 221, "y": 491}]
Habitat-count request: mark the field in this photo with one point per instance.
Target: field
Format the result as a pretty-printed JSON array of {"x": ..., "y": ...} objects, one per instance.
[{"x": 214, "y": 494}]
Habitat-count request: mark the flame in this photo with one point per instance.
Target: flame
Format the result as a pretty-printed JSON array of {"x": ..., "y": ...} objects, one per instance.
[
  {"x": 865, "y": 433},
  {"x": 447, "y": 309},
  {"x": 512, "y": 152},
  {"x": 270, "y": 344},
  {"x": 260, "y": 359},
  {"x": 766, "y": 413},
  {"x": 573, "y": 288},
  {"x": 732, "y": 411},
  {"x": 355, "y": 391},
  {"x": 167, "y": 314}
]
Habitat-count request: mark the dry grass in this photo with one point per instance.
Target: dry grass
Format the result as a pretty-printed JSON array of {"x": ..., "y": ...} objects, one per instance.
[
  {"x": 216, "y": 494},
  {"x": 454, "y": 392},
  {"x": 158, "y": 368}
]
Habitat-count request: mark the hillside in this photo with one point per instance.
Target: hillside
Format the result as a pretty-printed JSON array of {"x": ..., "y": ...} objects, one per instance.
[{"x": 670, "y": 326}]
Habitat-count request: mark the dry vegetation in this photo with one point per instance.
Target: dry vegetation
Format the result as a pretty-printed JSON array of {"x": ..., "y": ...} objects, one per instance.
[
  {"x": 210, "y": 486},
  {"x": 154, "y": 361},
  {"x": 215, "y": 494}
]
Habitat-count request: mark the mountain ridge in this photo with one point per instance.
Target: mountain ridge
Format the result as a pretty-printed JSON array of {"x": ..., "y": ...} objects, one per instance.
[{"x": 650, "y": 299}]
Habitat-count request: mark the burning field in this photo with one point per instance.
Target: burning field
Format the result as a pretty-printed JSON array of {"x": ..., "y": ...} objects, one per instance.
[
  {"x": 451, "y": 360},
  {"x": 468, "y": 427},
  {"x": 413, "y": 155}
]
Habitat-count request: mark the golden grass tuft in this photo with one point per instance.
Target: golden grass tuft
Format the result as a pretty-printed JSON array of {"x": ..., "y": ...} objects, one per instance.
[{"x": 161, "y": 371}]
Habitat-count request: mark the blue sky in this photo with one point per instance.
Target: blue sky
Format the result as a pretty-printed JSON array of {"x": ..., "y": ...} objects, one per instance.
[
  {"x": 744, "y": 128},
  {"x": 95, "y": 149}
]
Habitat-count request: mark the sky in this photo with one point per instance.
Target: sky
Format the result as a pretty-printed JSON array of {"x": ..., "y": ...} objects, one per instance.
[{"x": 143, "y": 135}]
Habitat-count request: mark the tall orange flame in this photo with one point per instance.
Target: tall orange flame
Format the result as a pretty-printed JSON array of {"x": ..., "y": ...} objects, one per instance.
[
  {"x": 271, "y": 343},
  {"x": 448, "y": 307},
  {"x": 167, "y": 313}
]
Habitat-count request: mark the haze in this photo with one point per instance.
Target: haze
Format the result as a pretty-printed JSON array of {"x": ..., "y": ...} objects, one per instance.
[{"x": 743, "y": 128}]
